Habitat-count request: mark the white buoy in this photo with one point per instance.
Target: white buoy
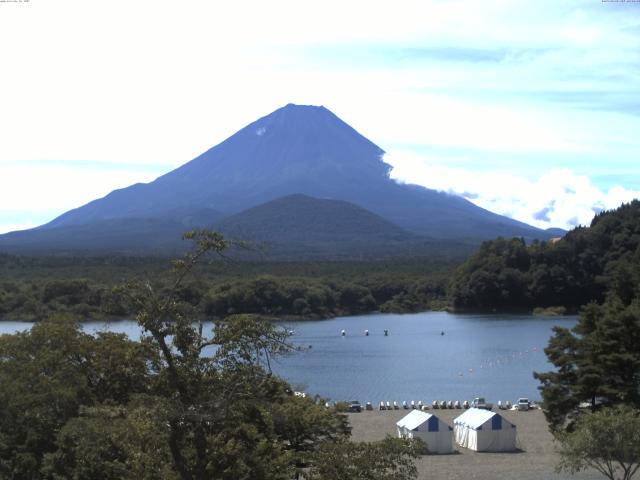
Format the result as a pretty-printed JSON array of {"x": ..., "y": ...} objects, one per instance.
[
  {"x": 343, "y": 332},
  {"x": 366, "y": 333}
]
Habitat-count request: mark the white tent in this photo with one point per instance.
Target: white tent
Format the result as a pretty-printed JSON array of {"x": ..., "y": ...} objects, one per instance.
[
  {"x": 484, "y": 431},
  {"x": 436, "y": 434}
]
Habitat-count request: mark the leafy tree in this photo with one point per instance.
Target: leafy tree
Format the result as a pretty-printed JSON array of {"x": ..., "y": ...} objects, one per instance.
[
  {"x": 389, "y": 459},
  {"x": 608, "y": 441},
  {"x": 47, "y": 374},
  {"x": 113, "y": 443},
  {"x": 228, "y": 417},
  {"x": 494, "y": 276},
  {"x": 598, "y": 361},
  {"x": 180, "y": 404}
]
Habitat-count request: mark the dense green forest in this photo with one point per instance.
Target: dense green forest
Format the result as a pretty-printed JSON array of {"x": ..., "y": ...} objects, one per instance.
[
  {"x": 35, "y": 287},
  {"x": 584, "y": 266}
]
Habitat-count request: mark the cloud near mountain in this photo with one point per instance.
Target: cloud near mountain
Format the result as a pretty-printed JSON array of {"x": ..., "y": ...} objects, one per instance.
[{"x": 558, "y": 198}]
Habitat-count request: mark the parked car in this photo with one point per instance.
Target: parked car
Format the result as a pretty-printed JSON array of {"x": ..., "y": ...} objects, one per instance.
[
  {"x": 523, "y": 404},
  {"x": 354, "y": 406},
  {"x": 479, "y": 402}
]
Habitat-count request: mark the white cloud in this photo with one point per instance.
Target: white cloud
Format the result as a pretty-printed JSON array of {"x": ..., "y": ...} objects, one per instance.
[
  {"x": 558, "y": 198},
  {"x": 156, "y": 82}
]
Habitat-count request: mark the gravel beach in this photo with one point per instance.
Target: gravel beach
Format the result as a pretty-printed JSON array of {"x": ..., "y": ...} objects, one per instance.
[{"x": 535, "y": 460}]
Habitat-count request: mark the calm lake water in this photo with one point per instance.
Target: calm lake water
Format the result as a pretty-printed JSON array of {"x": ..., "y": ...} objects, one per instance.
[{"x": 479, "y": 355}]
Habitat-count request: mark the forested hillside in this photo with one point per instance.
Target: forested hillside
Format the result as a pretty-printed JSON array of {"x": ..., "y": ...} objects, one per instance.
[{"x": 584, "y": 266}]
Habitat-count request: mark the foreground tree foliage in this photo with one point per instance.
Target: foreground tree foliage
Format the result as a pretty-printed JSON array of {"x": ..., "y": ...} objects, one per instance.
[
  {"x": 180, "y": 404},
  {"x": 47, "y": 374},
  {"x": 389, "y": 459},
  {"x": 608, "y": 441},
  {"x": 597, "y": 362}
]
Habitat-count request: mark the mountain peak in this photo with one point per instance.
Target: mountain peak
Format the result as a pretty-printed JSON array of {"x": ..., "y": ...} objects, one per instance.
[
  {"x": 296, "y": 149},
  {"x": 295, "y": 106},
  {"x": 302, "y": 117}
]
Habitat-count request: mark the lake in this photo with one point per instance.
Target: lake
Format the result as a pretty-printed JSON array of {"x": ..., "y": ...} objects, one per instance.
[{"x": 479, "y": 355}]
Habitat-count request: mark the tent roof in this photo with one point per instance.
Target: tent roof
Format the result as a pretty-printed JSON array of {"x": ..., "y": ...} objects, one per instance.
[
  {"x": 475, "y": 418},
  {"x": 414, "y": 419}
]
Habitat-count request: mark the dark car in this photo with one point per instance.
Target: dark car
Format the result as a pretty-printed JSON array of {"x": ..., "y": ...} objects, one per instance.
[{"x": 354, "y": 406}]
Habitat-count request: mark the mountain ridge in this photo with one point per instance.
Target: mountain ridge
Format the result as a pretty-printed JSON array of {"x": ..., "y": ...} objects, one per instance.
[{"x": 296, "y": 150}]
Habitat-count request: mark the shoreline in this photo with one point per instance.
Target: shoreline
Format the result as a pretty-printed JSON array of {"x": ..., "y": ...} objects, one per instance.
[{"x": 535, "y": 312}]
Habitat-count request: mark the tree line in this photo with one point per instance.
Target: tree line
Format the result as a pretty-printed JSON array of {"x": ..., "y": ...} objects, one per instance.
[
  {"x": 584, "y": 266},
  {"x": 34, "y": 288}
]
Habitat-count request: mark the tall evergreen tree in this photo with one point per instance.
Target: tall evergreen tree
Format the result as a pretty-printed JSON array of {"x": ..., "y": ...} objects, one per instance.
[{"x": 598, "y": 361}]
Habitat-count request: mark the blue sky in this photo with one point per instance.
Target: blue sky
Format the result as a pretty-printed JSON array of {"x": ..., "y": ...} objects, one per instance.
[{"x": 529, "y": 109}]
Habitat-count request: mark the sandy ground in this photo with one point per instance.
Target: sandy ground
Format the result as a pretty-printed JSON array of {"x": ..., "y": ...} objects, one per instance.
[{"x": 535, "y": 460}]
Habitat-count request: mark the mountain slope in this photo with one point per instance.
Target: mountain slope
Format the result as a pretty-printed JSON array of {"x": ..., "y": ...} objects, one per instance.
[
  {"x": 300, "y": 218},
  {"x": 297, "y": 226},
  {"x": 119, "y": 235},
  {"x": 299, "y": 149},
  {"x": 294, "y": 150},
  {"x": 115, "y": 235}
]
